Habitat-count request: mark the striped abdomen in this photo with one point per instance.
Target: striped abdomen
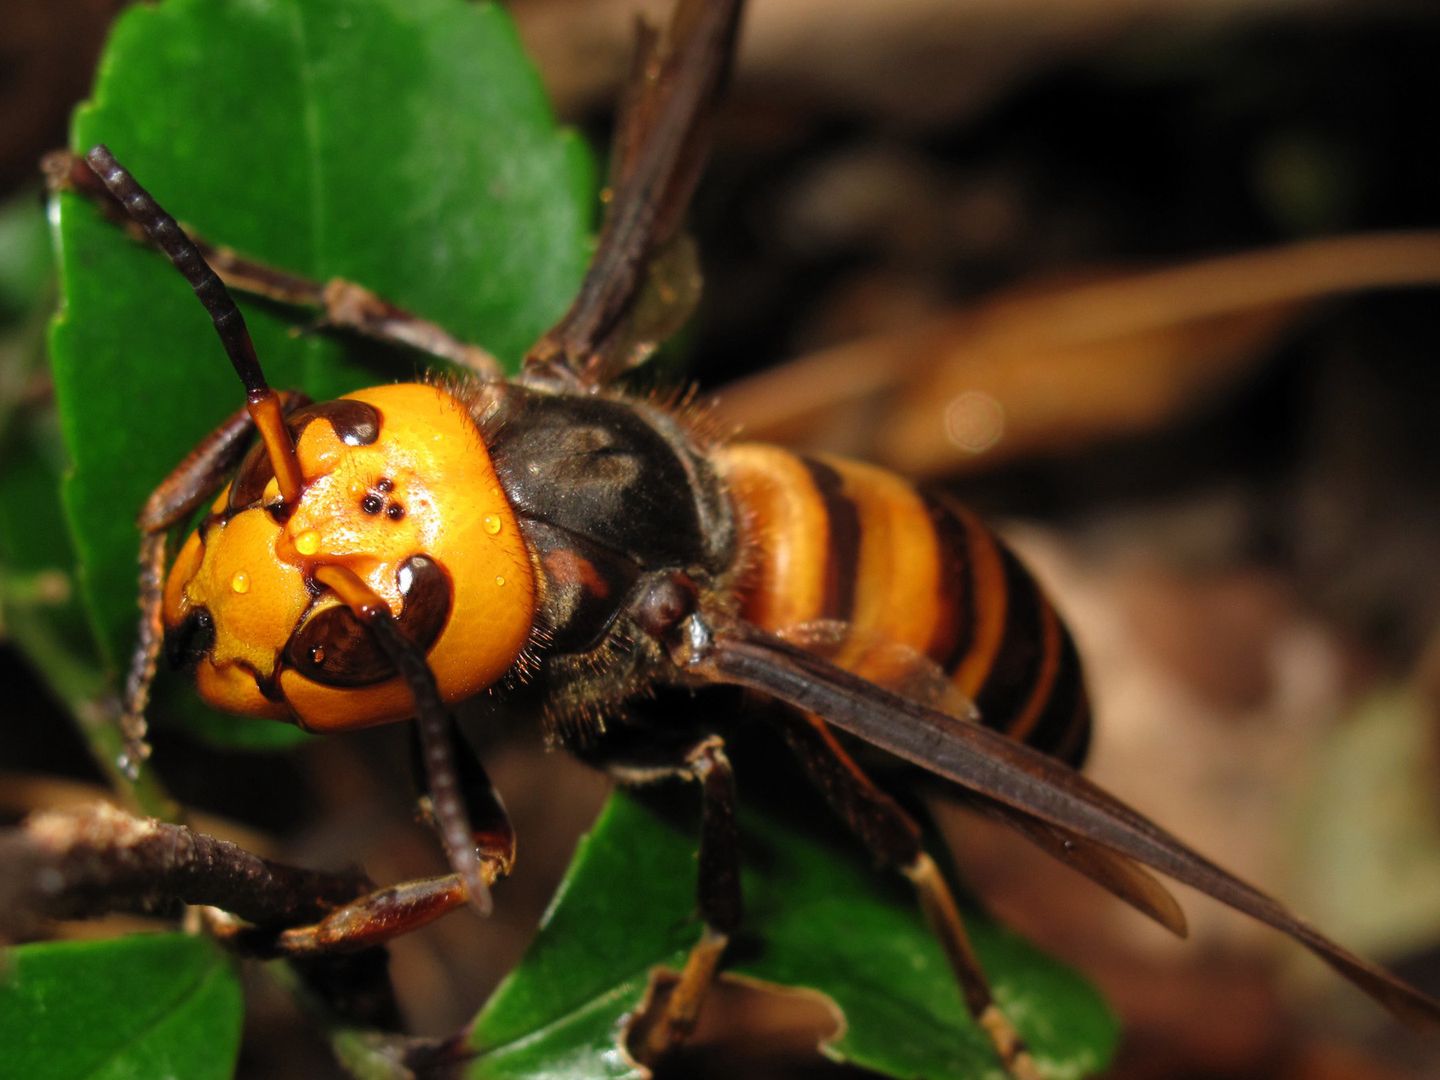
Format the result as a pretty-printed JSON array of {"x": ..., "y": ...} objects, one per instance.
[{"x": 835, "y": 542}]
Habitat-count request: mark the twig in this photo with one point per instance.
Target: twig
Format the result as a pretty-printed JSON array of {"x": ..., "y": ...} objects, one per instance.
[{"x": 98, "y": 860}]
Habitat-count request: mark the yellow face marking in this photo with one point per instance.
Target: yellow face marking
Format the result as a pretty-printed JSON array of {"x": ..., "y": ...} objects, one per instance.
[
  {"x": 429, "y": 460},
  {"x": 251, "y": 569},
  {"x": 254, "y": 599}
]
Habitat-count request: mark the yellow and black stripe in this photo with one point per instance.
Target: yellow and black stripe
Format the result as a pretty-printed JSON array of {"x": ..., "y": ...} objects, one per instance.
[{"x": 831, "y": 542}]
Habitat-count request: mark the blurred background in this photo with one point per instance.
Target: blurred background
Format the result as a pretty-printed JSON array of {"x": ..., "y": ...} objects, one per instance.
[{"x": 1117, "y": 272}]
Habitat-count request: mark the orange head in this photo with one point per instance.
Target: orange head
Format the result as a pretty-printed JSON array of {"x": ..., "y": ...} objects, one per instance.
[{"x": 396, "y": 486}]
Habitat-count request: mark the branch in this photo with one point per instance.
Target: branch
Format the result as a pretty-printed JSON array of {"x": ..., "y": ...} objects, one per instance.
[{"x": 71, "y": 864}]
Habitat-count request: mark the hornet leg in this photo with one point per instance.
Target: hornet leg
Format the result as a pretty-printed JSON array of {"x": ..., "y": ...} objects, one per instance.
[
  {"x": 343, "y": 305},
  {"x": 196, "y": 479},
  {"x": 672, "y": 1006},
  {"x": 893, "y": 838},
  {"x": 398, "y": 909}
]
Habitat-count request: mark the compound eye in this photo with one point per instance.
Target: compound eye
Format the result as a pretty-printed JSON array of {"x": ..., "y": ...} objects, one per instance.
[
  {"x": 355, "y": 424},
  {"x": 334, "y": 648},
  {"x": 191, "y": 641}
]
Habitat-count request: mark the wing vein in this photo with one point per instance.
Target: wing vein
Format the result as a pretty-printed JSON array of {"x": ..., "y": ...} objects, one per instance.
[{"x": 1011, "y": 773}]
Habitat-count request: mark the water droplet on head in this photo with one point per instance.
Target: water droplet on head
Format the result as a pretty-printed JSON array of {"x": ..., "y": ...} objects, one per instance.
[
  {"x": 492, "y": 523},
  {"x": 240, "y": 583},
  {"x": 499, "y": 579},
  {"x": 308, "y": 542}
]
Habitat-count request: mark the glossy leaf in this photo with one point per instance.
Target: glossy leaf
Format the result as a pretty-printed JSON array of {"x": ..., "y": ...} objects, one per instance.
[
  {"x": 32, "y": 534},
  {"x": 25, "y": 264},
  {"x": 39, "y": 610},
  {"x": 816, "y": 916},
  {"x": 407, "y": 146},
  {"x": 146, "y": 1005},
  {"x": 404, "y": 144}
]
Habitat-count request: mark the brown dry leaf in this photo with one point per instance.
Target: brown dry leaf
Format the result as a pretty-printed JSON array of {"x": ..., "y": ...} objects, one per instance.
[
  {"x": 1034, "y": 371},
  {"x": 957, "y": 56}
]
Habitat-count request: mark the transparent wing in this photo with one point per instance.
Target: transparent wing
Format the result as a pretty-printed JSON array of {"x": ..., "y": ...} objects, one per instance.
[
  {"x": 1012, "y": 775},
  {"x": 660, "y": 146},
  {"x": 914, "y": 676}
]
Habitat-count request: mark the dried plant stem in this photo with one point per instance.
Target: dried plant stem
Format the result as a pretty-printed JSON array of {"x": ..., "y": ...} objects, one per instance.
[{"x": 98, "y": 860}]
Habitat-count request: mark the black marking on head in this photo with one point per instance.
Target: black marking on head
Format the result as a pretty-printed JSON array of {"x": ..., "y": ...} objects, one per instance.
[
  {"x": 377, "y": 500},
  {"x": 190, "y": 642},
  {"x": 354, "y": 422}
]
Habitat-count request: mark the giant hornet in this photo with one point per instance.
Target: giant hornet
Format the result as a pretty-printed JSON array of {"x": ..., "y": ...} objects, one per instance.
[{"x": 382, "y": 556}]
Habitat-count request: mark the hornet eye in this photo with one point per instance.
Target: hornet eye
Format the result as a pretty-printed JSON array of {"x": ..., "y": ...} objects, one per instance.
[
  {"x": 191, "y": 641},
  {"x": 355, "y": 423},
  {"x": 334, "y": 648}
]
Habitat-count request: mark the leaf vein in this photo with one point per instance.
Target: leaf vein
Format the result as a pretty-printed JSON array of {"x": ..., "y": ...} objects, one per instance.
[{"x": 184, "y": 993}]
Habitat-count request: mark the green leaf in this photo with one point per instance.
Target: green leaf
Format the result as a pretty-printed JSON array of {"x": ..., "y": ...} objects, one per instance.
[
  {"x": 39, "y": 609},
  {"x": 146, "y": 1005},
  {"x": 33, "y": 539},
  {"x": 816, "y": 915},
  {"x": 26, "y": 269},
  {"x": 404, "y": 144}
]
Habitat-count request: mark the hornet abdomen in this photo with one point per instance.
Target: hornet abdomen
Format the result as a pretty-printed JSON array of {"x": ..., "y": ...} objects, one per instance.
[{"x": 831, "y": 542}]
